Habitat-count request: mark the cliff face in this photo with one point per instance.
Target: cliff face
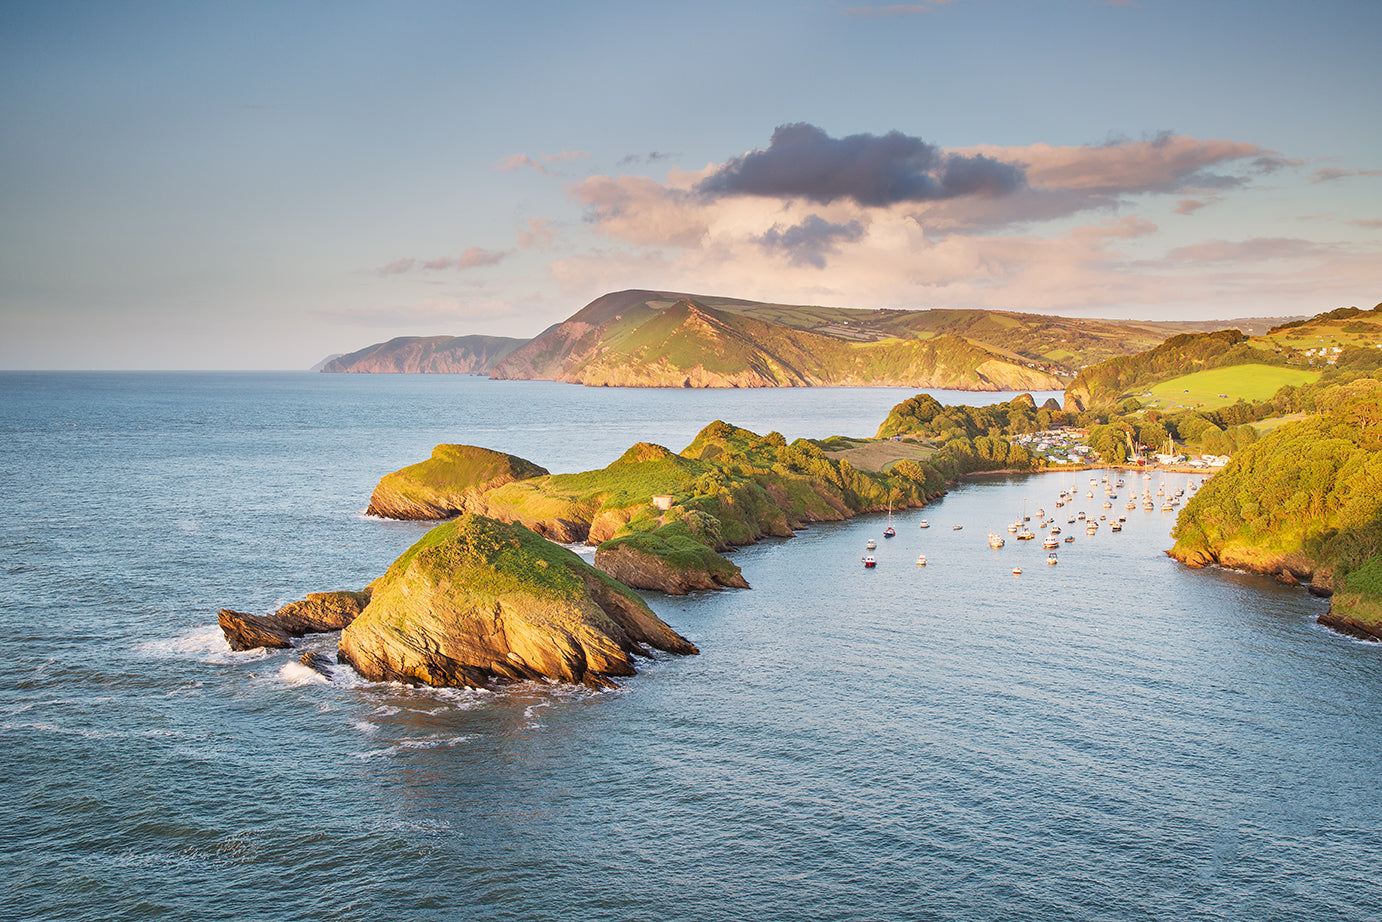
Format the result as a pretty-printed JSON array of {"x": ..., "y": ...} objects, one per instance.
[
  {"x": 478, "y": 600},
  {"x": 474, "y": 355}
]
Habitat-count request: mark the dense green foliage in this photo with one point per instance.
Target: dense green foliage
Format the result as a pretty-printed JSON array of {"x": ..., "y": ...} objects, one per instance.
[{"x": 1307, "y": 496}]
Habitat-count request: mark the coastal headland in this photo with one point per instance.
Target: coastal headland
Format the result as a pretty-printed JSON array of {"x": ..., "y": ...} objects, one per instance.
[{"x": 489, "y": 596}]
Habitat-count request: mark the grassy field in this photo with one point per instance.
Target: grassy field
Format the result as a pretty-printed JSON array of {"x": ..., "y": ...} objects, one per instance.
[
  {"x": 1219, "y": 387},
  {"x": 878, "y": 455},
  {"x": 1267, "y": 425}
]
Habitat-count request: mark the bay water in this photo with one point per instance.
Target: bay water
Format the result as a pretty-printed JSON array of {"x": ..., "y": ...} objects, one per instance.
[{"x": 1112, "y": 737}]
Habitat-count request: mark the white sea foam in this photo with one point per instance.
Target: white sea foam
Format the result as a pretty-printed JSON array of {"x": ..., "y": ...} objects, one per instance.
[
  {"x": 204, "y": 644},
  {"x": 295, "y": 673},
  {"x": 413, "y": 744}
]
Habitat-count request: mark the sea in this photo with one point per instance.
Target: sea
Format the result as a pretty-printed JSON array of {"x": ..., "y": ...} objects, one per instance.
[{"x": 1110, "y": 737}]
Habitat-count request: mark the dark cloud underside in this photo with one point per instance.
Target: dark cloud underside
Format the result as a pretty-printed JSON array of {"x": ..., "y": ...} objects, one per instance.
[{"x": 802, "y": 161}]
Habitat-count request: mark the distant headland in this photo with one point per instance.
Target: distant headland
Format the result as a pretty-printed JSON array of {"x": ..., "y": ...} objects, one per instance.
[{"x": 643, "y": 338}]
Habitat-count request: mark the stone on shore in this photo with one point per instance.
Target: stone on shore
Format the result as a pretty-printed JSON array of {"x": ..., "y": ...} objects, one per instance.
[{"x": 249, "y": 632}]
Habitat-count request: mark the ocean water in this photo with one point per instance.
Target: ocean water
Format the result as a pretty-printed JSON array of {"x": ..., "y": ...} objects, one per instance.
[{"x": 1114, "y": 737}]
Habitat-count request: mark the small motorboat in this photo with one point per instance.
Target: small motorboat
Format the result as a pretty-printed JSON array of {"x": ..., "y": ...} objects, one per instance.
[
  {"x": 1069, "y": 539},
  {"x": 921, "y": 560},
  {"x": 889, "y": 532},
  {"x": 925, "y": 524},
  {"x": 871, "y": 545},
  {"x": 1051, "y": 558},
  {"x": 956, "y": 527},
  {"x": 995, "y": 539},
  {"x": 870, "y": 562},
  {"x": 1017, "y": 571}
]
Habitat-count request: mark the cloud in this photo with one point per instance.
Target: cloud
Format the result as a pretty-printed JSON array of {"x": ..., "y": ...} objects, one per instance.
[
  {"x": 893, "y": 221},
  {"x": 472, "y": 258},
  {"x": 802, "y": 161},
  {"x": 1163, "y": 164},
  {"x": 515, "y": 162},
  {"x": 650, "y": 157},
  {"x": 1370, "y": 223},
  {"x": 1258, "y": 249},
  {"x": 1334, "y": 174},
  {"x": 539, "y": 234},
  {"x": 397, "y": 267},
  {"x": 808, "y": 243}
]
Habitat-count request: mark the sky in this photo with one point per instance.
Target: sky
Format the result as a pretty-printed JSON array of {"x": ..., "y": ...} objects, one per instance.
[{"x": 253, "y": 186}]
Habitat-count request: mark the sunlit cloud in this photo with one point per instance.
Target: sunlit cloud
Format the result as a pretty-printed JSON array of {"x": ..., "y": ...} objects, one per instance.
[
  {"x": 397, "y": 267},
  {"x": 537, "y": 234},
  {"x": 1162, "y": 164},
  {"x": 515, "y": 162},
  {"x": 1254, "y": 250},
  {"x": 473, "y": 258}
]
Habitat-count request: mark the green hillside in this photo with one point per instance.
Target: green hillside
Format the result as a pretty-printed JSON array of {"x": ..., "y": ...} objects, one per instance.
[
  {"x": 1176, "y": 374},
  {"x": 691, "y": 343},
  {"x": 669, "y": 339}
]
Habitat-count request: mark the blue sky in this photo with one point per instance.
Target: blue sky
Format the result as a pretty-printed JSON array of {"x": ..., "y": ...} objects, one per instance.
[{"x": 256, "y": 186}]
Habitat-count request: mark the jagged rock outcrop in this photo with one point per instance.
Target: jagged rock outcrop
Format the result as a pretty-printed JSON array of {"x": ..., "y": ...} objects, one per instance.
[
  {"x": 478, "y": 601},
  {"x": 447, "y": 483},
  {"x": 249, "y": 632},
  {"x": 320, "y": 612}
]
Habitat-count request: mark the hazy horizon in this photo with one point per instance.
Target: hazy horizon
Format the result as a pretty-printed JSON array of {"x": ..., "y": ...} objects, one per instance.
[{"x": 259, "y": 186}]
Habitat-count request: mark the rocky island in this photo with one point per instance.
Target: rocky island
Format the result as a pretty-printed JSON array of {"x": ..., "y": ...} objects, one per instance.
[{"x": 478, "y": 600}]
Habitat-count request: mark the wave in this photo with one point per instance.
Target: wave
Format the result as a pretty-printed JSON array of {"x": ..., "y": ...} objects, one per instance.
[{"x": 205, "y": 644}]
